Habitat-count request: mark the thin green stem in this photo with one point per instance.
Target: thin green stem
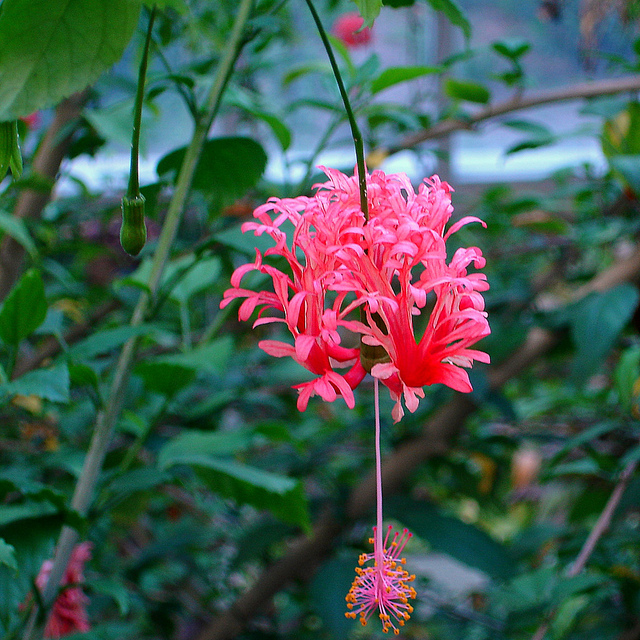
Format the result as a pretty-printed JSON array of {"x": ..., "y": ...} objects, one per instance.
[
  {"x": 355, "y": 131},
  {"x": 105, "y": 422},
  {"x": 134, "y": 184}
]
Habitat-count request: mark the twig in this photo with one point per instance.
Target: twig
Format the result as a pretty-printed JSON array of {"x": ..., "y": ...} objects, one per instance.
[
  {"x": 604, "y": 520},
  {"x": 575, "y": 92},
  {"x": 306, "y": 552}
]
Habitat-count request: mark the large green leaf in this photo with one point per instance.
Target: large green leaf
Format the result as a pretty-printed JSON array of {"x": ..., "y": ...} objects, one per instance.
[
  {"x": 169, "y": 374},
  {"x": 596, "y": 323},
  {"x": 282, "y": 496},
  {"x": 395, "y": 75},
  {"x": 102, "y": 342},
  {"x": 214, "y": 443},
  {"x": 48, "y": 384},
  {"x": 53, "y": 48},
  {"x": 452, "y": 536},
  {"x": 211, "y": 356},
  {"x": 227, "y": 169},
  {"x": 24, "y": 309}
]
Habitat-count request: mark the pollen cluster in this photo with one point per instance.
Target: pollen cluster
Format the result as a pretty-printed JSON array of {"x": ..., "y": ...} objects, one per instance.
[{"x": 383, "y": 585}]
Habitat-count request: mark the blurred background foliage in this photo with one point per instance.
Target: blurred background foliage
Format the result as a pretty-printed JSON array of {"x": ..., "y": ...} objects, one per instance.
[{"x": 215, "y": 486}]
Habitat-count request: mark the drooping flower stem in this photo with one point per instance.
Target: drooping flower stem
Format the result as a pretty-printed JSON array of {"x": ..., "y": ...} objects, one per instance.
[
  {"x": 106, "y": 419},
  {"x": 378, "y": 534},
  {"x": 355, "y": 131}
]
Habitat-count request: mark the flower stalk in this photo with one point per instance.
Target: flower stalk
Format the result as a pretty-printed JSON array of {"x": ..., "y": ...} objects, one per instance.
[{"x": 355, "y": 130}]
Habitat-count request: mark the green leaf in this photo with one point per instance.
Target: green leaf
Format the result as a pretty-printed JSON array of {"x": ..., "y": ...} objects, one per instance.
[
  {"x": 102, "y": 342},
  {"x": 282, "y": 496},
  {"x": 114, "y": 123},
  {"x": 200, "y": 276},
  {"x": 628, "y": 166},
  {"x": 247, "y": 243},
  {"x": 452, "y": 536},
  {"x": 328, "y": 587},
  {"x": 534, "y": 143},
  {"x": 395, "y": 75},
  {"x": 396, "y": 4},
  {"x": 193, "y": 443},
  {"x": 227, "y": 169},
  {"x": 529, "y": 590},
  {"x": 45, "y": 60},
  {"x": 528, "y": 126},
  {"x": 8, "y": 555},
  {"x": 369, "y": 10},
  {"x": 114, "y": 589},
  {"x": 626, "y": 376},
  {"x": 16, "y": 228},
  {"x": 48, "y": 384},
  {"x": 512, "y": 48},
  {"x": 596, "y": 323},
  {"x": 469, "y": 91},
  {"x": 212, "y": 356},
  {"x": 304, "y": 69},
  {"x": 24, "y": 308},
  {"x": 454, "y": 15},
  {"x": 25, "y": 511},
  {"x": 164, "y": 377},
  {"x": 170, "y": 374},
  {"x": 566, "y": 615}
]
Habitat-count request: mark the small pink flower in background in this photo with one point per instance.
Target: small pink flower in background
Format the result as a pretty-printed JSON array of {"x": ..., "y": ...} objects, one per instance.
[
  {"x": 394, "y": 266},
  {"x": 384, "y": 585},
  {"x": 347, "y": 29},
  {"x": 32, "y": 120},
  {"x": 68, "y": 614}
]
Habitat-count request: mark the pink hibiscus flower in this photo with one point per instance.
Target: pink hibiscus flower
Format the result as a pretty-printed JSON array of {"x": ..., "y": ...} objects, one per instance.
[
  {"x": 68, "y": 614},
  {"x": 393, "y": 267}
]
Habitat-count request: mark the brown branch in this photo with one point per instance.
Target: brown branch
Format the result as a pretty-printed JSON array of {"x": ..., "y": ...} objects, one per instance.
[
  {"x": 575, "y": 92},
  {"x": 306, "y": 552},
  {"x": 604, "y": 520},
  {"x": 30, "y": 202}
]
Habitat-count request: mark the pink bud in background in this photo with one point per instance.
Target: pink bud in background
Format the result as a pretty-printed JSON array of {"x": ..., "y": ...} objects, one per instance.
[
  {"x": 347, "y": 29},
  {"x": 32, "y": 120}
]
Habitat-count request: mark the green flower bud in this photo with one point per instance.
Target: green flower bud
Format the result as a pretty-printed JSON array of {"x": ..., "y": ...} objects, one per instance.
[{"x": 133, "y": 232}]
